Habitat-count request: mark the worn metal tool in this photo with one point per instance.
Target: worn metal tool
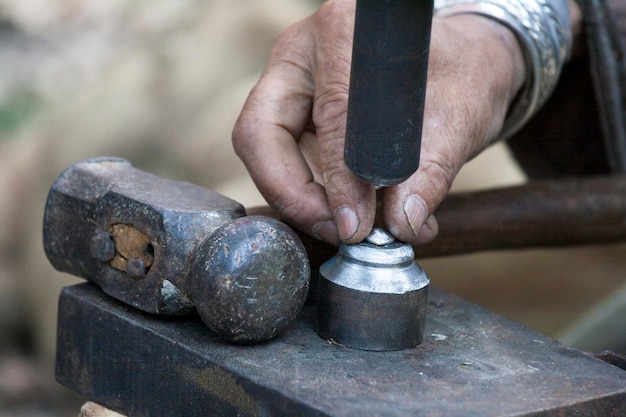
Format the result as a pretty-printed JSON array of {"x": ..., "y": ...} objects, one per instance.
[
  {"x": 387, "y": 89},
  {"x": 170, "y": 247},
  {"x": 385, "y": 309}
]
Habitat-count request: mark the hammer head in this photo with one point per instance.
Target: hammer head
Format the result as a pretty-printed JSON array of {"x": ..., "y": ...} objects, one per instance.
[
  {"x": 251, "y": 280},
  {"x": 138, "y": 237}
]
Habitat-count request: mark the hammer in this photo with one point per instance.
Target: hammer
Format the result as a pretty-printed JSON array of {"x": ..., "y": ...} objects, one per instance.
[{"x": 171, "y": 247}]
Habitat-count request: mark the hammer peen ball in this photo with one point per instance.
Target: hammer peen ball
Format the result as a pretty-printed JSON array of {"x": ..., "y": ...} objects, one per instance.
[{"x": 250, "y": 279}]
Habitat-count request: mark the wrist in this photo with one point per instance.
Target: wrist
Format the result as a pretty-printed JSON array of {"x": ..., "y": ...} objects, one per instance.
[
  {"x": 502, "y": 45},
  {"x": 544, "y": 32}
]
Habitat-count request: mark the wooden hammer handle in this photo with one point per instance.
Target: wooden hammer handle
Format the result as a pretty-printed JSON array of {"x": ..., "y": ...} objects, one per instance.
[{"x": 546, "y": 213}]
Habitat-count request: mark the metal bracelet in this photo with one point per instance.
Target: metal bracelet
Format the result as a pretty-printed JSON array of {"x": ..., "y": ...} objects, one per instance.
[{"x": 543, "y": 29}]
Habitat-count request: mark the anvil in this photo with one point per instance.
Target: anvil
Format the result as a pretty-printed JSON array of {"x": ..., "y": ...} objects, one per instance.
[{"x": 471, "y": 363}]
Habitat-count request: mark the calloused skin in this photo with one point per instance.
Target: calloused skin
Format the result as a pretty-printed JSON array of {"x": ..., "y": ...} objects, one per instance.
[{"x": 290, "y": 133}]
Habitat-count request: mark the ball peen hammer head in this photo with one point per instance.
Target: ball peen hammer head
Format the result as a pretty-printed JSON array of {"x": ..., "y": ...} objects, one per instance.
[
  {"x": 252, "y": 280},
  {"x": 171, "y": 247}
]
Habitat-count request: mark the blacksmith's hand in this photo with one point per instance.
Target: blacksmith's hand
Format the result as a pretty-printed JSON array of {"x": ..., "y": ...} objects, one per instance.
[{"x": 290, "y": 133}]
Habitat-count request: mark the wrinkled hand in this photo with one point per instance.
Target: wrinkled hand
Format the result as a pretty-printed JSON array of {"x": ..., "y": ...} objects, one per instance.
[{"x": 290, "y": 133}]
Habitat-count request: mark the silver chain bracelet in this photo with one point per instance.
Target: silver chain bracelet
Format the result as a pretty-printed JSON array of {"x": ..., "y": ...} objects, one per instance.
[{"x": 544, "y": 31}]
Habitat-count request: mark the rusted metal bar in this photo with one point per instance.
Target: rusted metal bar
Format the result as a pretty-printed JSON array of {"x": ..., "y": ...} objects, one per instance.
[
  {"x": 567, "y": 212},
  {"x": 549, "y": 213}
]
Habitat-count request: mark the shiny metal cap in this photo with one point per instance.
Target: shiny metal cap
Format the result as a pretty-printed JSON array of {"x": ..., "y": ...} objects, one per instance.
[{"x": 378, "y": 264}]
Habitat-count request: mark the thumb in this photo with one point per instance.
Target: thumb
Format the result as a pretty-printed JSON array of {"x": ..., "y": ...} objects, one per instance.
[
  {"x": 408, "y": 207},
  {"x": 351, "y": 200}
]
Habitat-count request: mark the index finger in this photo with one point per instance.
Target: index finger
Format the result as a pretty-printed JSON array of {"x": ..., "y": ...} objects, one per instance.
[{"x": 265, "y": 138}]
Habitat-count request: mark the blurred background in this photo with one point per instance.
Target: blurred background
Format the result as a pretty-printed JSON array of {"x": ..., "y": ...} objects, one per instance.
[{"x": 161, "y": 82}]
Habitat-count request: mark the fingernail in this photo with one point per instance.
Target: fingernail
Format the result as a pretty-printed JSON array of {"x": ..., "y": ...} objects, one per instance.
[
  {"x": 416, "y": 212},
  {"x": 326, "y": 231},
  {"x": 347, "y": 222},
  {"x": 428, "y": 231}
]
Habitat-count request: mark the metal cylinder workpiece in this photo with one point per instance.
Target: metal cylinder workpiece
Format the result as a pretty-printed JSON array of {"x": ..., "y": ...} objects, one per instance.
[{"x": 373, "y": 296}]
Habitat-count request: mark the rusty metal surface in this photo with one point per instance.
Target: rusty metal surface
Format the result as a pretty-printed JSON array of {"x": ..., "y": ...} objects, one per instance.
[
  {"x": 471, "y": 363},
  {"x": 548, "y": 213},
  {"x": 614, "y": 358},
  {"x": 171, "y": 247},
  {"x": 93, "y": 197}
]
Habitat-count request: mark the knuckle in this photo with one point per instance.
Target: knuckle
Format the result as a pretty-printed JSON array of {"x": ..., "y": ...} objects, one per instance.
[
  {"x": 291, "y": 206},
  {"x": 330, "y": 109},
  {"x": 332, "y": 10},
  {"x": 335, "y": 180},
  {"x": 291, "y": 46},
  {"x": 288, "y": 208},
  {"x": 440, "y": 172},
  {"x": 240, "y": 137},
  {"x": 335, "y": 172}
]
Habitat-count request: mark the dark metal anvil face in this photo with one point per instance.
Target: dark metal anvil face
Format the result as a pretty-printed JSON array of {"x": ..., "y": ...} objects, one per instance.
[{"x": 471, "y": 363}]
